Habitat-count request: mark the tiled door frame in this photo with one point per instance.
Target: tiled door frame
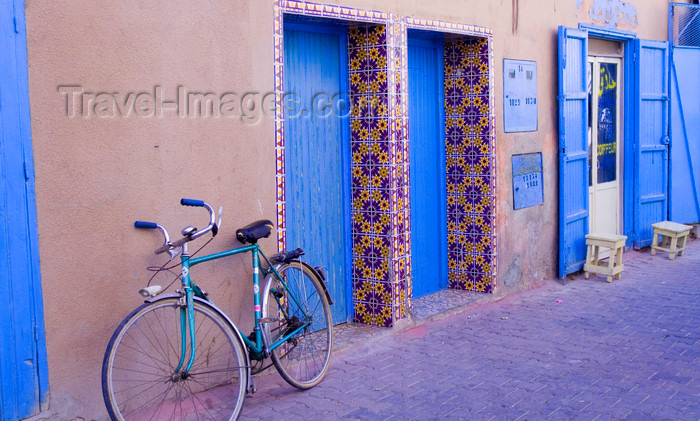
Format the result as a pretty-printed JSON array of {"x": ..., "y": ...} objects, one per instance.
[{"x": 382, "y": 286}]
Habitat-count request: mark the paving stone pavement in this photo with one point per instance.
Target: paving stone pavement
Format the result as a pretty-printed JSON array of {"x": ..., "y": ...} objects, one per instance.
[{"x": 585, "y": 350}]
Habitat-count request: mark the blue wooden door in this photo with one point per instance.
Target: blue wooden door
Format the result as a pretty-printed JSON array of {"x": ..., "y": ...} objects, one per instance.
[
  {"x": 685, "y": 135},
  {"x": 317, "y": 149},
  {"x": 23, "y": 373},
  {"x": 573, "y": 149},
  {"x": 427, "y": 160},
  {"x": 651, "y": 157}
]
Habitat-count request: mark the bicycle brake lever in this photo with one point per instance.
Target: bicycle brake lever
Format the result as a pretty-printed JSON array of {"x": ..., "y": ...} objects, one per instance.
[{"x": 174, "y": 252}]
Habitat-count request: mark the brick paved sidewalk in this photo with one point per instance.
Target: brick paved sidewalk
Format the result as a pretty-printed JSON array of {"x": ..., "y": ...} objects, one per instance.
[{"x": 584, "y": 350}]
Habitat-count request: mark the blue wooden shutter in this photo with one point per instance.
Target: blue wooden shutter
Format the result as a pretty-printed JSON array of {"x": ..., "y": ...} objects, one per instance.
[
  {"x": 573, "y": 149},
  {"x": 651, "y": 154}
]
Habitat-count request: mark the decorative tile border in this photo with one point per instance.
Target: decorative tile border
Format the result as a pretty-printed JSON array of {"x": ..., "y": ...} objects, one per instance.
[
  {"x": 380, "y": 195},
  {"x": 401, "y": 221},
  {"x": 278, "y": 37},
  {"x": 448, "y": 27},
  {"x": 331, "y": 11}
]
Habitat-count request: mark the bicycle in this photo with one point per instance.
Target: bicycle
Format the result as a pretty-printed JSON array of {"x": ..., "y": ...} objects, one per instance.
[{"x": 178, "y": 356}]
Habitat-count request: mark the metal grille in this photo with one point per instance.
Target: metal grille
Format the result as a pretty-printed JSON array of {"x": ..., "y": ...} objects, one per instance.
[{"x": 685, "y": 25}]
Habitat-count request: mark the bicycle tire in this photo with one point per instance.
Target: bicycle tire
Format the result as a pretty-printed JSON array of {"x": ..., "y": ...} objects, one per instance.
[
  {"x": 138, "y": 380},
  {"x": 303, "y": 360}
]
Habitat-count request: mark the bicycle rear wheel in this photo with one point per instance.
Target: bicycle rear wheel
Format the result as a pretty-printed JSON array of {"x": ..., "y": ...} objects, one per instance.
[
  {"x": 139, "y": 381},
  {"x": 303, "y": 359}
]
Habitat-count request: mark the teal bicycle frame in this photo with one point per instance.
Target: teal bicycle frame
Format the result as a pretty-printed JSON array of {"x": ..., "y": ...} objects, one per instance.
[{"x": 190, "y": 290}]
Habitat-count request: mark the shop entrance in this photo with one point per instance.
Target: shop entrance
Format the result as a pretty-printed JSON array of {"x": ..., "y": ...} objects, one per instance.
[{"x": 589, "y": 130}]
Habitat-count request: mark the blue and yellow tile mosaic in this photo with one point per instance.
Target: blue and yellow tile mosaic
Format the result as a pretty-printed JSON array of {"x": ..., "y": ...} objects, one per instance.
[
  {"x": 377, "y": 297},
  {"x": 470, "y": 162}
]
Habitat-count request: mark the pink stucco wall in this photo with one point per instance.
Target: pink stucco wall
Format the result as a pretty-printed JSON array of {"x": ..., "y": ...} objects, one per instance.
[{"x": 96, "y": 175}]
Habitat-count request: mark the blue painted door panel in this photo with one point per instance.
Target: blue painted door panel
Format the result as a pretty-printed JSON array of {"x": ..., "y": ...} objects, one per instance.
[
  {"x": 685, "y": 135},
  {"x": 573, "y": 149},
  {"x": 316, "y": 149},
  {"x": 23, "y": 373},
  {"x": 427, "y": 160},
  {"x": 652, "y": 134}
]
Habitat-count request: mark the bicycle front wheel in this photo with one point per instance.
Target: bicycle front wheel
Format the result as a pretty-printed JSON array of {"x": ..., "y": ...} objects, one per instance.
[
  {"x": 305, "y": 318},
  {"x": 139, "y": 381}
]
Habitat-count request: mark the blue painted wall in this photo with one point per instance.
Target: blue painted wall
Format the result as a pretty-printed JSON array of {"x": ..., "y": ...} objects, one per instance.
[
  {"x": 685, "y": 135},
  {"x": 23, "y": 372},
  {"x": 427, "y": 160},
  {"x": 317, "y": 155}
]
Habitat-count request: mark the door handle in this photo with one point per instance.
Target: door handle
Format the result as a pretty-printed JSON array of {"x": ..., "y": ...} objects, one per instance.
[{"x": 665, "y": 140}]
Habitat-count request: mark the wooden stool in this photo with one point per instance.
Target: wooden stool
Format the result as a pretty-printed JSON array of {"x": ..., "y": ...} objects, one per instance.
[
  {"x": 614, "y": 266},
  {"x": 672, "y": 239}
]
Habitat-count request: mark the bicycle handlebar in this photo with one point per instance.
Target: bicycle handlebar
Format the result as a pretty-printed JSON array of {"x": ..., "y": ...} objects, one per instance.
[
  {"x": 212, "y": 218},
  {"x": 168, "y": 245}
]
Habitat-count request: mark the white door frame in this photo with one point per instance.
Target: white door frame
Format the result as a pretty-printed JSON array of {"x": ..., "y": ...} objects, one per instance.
[{"x": 597, "y": 191}]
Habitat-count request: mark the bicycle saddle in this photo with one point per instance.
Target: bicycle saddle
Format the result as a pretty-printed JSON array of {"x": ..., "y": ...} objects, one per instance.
[{"x": 251, "y": 233}]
